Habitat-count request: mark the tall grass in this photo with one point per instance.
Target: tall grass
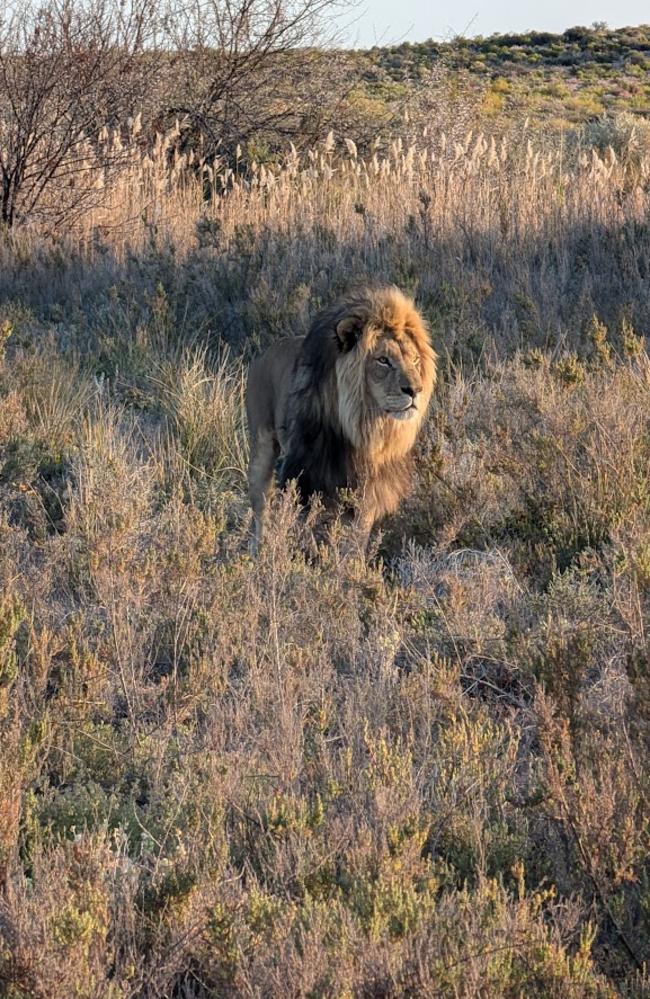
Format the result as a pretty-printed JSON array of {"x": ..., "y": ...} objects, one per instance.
[{"x": 505, "y": 241}]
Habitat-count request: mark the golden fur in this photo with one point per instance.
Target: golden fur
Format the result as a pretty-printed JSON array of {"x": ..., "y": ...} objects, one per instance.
[{"x": 342, "y": 406}]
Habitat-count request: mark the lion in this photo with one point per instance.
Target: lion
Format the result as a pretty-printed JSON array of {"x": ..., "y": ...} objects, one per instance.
[{"x": 340, "y": 408}]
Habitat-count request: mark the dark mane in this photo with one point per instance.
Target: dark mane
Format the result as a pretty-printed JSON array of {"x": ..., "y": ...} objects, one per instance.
[{"x": 320, "y": 455}]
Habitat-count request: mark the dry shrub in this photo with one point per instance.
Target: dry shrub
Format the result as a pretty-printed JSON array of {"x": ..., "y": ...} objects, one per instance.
[{"x": 556, "y": 469}]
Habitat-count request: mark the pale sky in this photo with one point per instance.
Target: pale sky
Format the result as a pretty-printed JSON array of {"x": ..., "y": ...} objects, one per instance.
[{"x": 388, "y": 22}]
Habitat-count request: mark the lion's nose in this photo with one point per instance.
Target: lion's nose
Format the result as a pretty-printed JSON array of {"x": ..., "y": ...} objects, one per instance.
[{"x": 408, "y": 390}]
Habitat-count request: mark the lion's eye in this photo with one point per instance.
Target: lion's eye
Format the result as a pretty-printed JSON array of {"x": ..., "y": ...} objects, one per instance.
[{"x": 383, "y": 360}]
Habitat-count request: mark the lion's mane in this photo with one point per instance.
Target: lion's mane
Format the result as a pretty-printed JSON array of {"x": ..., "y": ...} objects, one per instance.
[{"x": 334, "y": 439}]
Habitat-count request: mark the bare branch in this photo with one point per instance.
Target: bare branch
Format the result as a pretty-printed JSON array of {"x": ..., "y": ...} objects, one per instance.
[{"x": 67, "y": 68}]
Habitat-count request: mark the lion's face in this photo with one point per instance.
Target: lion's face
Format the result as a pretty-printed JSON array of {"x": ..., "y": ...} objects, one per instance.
[
  {"x": 385, "y": 371},
  {"x": 394, "y": 376}
]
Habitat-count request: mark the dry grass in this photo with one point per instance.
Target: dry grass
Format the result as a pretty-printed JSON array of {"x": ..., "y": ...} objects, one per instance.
[
  {"x": 506, "y": 242},
  {"x": 424, "y": 774}
]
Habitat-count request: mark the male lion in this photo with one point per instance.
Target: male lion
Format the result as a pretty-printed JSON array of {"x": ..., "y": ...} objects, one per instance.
[{"x": 342, "y": 406}]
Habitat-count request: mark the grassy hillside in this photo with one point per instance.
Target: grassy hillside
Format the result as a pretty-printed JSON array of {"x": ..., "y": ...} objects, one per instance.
[
  {"x": 425, "y": 773},
  {"x": 556, "y": 79}
]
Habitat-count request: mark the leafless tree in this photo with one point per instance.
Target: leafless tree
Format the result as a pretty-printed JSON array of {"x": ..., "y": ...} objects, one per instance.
[
  {"x": 67, "y": 69},
  {"x": 232, "y": 71},
  {"x": 263, "y": 70}
]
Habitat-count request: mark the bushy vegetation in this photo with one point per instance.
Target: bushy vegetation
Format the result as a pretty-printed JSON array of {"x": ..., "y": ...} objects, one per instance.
[
  {"x": 421, "y": 773},
  {"x": 558, "y": 80}
]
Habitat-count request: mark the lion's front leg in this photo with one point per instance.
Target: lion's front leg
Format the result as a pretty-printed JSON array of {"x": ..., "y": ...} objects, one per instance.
[{"x": 264, "y": 454}]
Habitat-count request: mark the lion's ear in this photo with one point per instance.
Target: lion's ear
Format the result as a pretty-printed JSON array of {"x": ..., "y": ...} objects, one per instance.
[{"x": 349, "y": 330}]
